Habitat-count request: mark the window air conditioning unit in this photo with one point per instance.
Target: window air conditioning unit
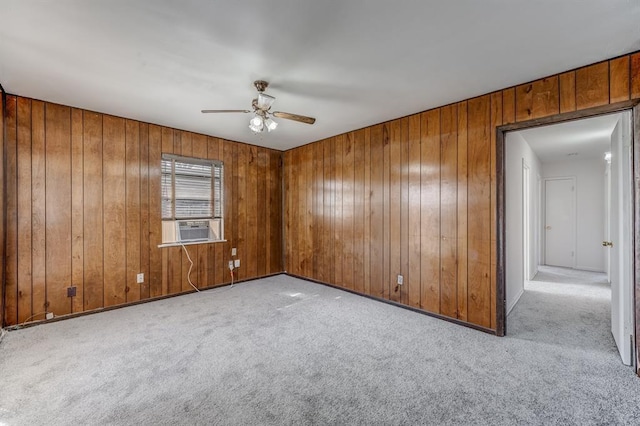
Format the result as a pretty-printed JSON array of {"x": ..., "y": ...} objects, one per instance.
[{"x": 192, "y": 230}]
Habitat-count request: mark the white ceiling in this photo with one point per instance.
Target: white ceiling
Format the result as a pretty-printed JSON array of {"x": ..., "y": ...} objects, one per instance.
[
  {"x": 578, "y": 139},
  {"x": 349, "y": 63}
]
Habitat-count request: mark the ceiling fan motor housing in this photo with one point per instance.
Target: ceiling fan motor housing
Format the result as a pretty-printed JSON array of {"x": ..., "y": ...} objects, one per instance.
[{"x": 260, "y": 85}]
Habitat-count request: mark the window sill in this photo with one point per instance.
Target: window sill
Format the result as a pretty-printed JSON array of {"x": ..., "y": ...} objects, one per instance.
[{"x": 190, "y": 243}]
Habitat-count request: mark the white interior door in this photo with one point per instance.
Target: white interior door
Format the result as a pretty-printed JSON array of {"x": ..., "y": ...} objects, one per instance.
[
  {"x": 607, "y": 219},
  {"x": 620, "y": 233},
  {"x": 560, "y": 222}
]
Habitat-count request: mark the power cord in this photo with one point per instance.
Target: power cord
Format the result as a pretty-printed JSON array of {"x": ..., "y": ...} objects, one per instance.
[
  {"x": 19, "y": 326},
  {"x": 231, "y": 268},
  {"x": 190, "y": 268},
  {"x": 34, "y": 315}
]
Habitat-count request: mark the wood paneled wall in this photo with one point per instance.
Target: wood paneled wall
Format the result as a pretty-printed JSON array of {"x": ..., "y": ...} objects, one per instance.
[
  {"x": 2, "y": 200},
  {"x": 416, "y": 196},
  {"x": 83, "y": 210}
]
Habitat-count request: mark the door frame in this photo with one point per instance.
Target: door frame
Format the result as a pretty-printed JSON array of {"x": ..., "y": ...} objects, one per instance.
[
  {"x": 574, "y": 218},
  {"x": 526, "y": 221},
  {"x": 631, "y": 105}
]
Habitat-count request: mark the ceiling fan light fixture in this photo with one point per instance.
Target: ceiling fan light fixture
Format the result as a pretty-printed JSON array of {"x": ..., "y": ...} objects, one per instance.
[
  {"x": 256, "y": 124},
  {"x": 261, "y": 108},
  {"x": 265, "y": 101},
  {"x": 271, "y": 125}
]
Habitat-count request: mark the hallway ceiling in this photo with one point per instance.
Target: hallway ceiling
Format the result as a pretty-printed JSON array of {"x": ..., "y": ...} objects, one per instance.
[
  {"x": 588, "y": 138},
  {"x": 350, "y": 63}
]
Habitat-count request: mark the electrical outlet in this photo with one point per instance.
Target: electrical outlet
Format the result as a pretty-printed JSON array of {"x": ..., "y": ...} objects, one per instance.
[
  {"x": 400, "y": 280},
  {"x": 231, "y": 264},
  {"x": 140, "y": 278},
  {"x": 234, "y": 251},
  {"x": 49, "y": 315},
  {"x": 237, "y": 263},
  {"x": 71, "y": 291}
]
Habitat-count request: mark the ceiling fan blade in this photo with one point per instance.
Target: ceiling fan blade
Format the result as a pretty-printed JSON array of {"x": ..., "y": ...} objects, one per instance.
[
  {"x": 294, "y": 117},
  {"x": 208, "y": 111},
  {"x": 265, "y": 101}
]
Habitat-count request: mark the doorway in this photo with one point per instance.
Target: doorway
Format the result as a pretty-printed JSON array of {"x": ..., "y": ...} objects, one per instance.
[{"x": 563, "y": 248}]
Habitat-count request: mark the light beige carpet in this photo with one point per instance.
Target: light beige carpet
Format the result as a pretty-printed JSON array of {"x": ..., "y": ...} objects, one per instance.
[{"x": 286, "y": 351}]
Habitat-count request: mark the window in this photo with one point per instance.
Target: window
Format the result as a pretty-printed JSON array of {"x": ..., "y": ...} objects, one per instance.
[{"x": 192, "y": 188}]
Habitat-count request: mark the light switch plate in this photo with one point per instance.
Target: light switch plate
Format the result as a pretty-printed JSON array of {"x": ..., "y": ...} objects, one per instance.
[
  {"x": 234, "y": 251},
  {"x": 400, "y": 280},
  {"x": 237, "y": 263},
  {"x": 140, "y": 278}
]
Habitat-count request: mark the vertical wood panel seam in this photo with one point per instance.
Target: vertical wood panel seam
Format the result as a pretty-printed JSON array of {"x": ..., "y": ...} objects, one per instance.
[
  {"x": 575, "y": 90},
  {"x": 467, "y": 196},
  {"x": 149, "y": 225},
  {"x": 609, "y": 79},
  {"x": 140, "y": 204},
  {"x": 559, "y": 102},
  {"x": 82, "y": 164},
  {"x": 283, "y": 201},
  {"x": 457, "y": 245},
  {"x": 14, "y": 180},
  {"x": 102, "y": 195},
  {"x": 70, "y": 205},
  {"x": 31, "y": 200},
  {"x": 126, "y": 215},
  {"x": 342, "y": 197},
  {"x": 630, "y": 73},
  {"x": 419, "y": 282},
  {"x": 420, "y": 303},
  {"x": 150, "y": 206},
  {"x": 515, "y": 110},
  {"x": 44, "y": 227},
  {"x": 322, "y": 186},
  {"x": 495, "y": 225},
  {"x": 4, "y": 207},
  {"x": 609, "y": 82},
  {"x": 440, "y": 274}
]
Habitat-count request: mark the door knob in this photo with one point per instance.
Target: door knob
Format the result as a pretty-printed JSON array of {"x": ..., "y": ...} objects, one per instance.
[{"x": 607, "y": 244}]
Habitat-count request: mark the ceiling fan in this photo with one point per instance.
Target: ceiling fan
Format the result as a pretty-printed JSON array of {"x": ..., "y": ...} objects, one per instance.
[{"x": 262, "y": 111}]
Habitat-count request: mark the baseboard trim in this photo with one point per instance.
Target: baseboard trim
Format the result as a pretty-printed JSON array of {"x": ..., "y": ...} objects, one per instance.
[
  {"x": 515, "y": 302},
  {"x": 399, "y": 305},
  {"x": 125, "y": 305}
]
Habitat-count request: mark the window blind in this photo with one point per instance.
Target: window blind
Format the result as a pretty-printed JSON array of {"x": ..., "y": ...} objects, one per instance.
[{"x": 191, "y": 189}]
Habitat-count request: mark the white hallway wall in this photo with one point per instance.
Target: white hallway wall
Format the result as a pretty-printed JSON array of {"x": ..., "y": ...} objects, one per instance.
[
  {"x": 517, "y": 150},
  {"x": 590, "y": 207}
]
